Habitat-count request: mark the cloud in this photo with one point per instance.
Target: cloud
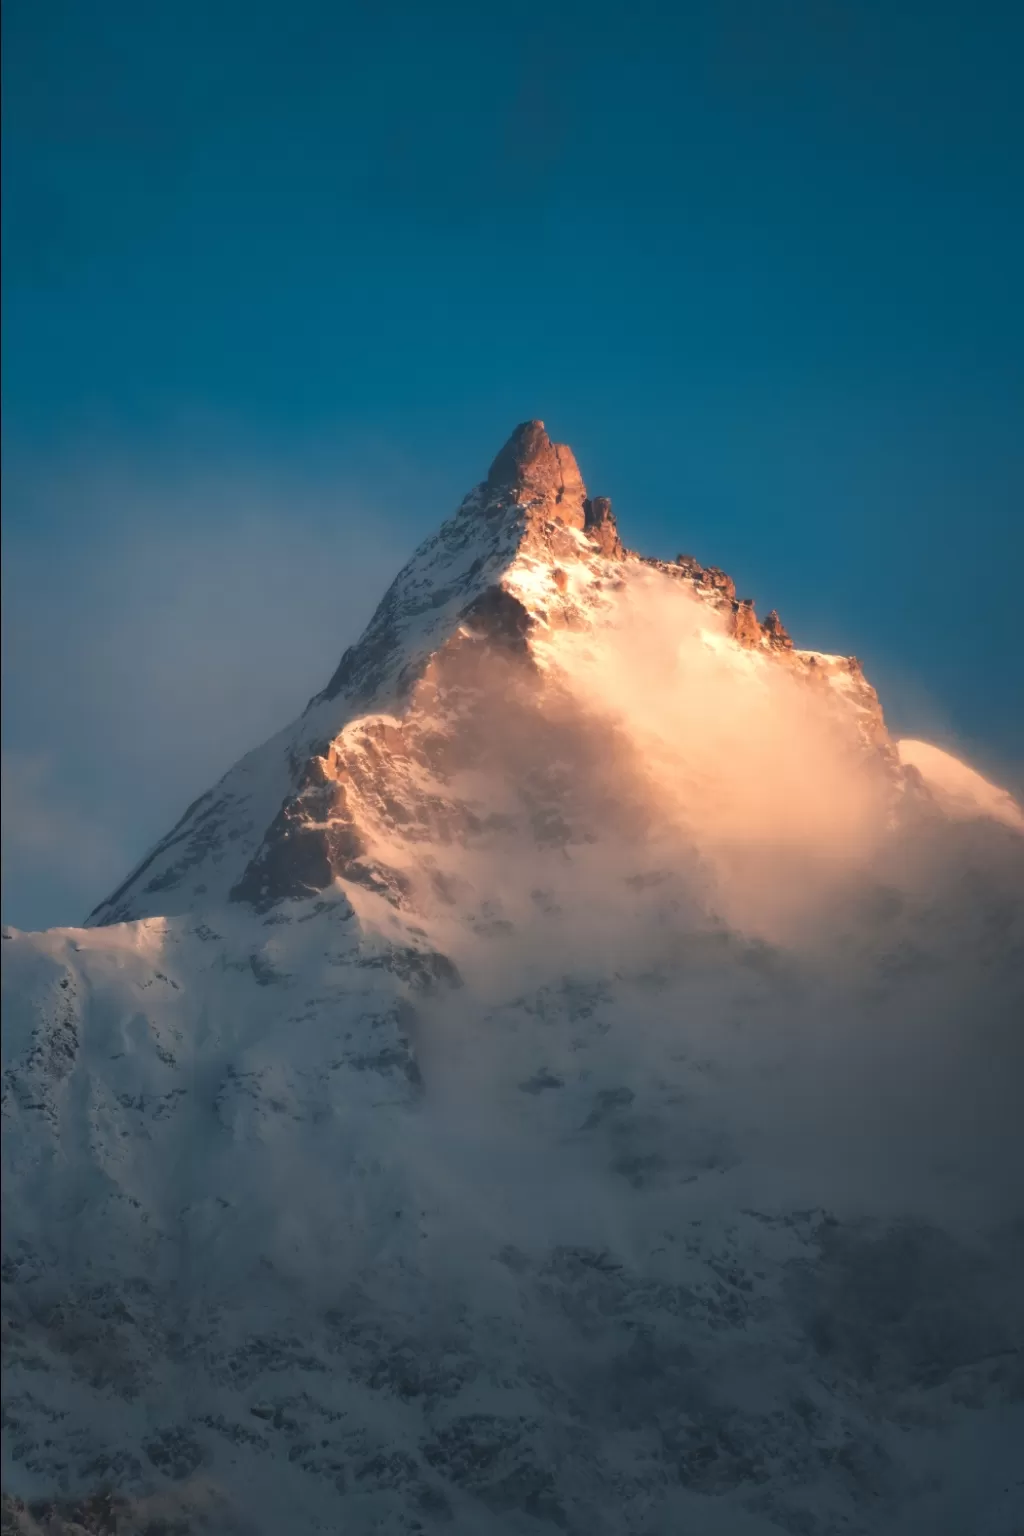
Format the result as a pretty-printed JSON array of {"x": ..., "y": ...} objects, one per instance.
[
  {"x": 756, "y": 770},
  {"x": 684, "y": 891}
]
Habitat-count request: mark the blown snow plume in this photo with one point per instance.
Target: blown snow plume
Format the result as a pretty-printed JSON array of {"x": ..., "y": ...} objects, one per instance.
[{"x": 567, "y": 1079}]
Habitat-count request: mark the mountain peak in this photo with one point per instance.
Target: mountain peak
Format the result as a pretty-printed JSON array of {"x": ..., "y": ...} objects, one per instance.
[
  {"x": 531, "y": 463},
  {"x": 526, "y": 559}
]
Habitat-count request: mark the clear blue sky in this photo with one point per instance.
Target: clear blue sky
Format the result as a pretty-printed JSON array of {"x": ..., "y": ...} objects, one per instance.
[{"x": 279, "y": 279}]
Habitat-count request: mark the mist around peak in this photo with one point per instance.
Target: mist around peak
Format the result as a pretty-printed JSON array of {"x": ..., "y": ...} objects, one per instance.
[{"x": 708, "y": 831}]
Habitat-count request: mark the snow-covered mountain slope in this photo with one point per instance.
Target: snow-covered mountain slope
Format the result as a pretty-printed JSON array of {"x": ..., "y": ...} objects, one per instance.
[
  {"x": 958, "y": 788},
  {"x": 568, "y": 1079}
]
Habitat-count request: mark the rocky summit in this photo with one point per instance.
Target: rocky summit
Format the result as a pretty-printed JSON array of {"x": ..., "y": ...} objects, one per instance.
[{"x": 567, "y": 1080}]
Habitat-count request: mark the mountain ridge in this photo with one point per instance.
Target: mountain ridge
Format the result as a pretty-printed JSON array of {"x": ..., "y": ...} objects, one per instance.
[{"x": 499, "y": 567}]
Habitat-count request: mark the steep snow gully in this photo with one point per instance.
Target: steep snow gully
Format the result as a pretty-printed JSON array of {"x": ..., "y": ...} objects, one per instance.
[{"x": 567, "y": 1080}]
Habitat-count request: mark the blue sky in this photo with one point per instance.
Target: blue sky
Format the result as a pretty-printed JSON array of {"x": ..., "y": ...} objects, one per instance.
[{"x": 278, "y": 281}]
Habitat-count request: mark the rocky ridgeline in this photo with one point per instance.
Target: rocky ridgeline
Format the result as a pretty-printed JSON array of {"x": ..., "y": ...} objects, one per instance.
[
  {"x": 746, "y": 629},
  {"x": 544, "y": 477}
]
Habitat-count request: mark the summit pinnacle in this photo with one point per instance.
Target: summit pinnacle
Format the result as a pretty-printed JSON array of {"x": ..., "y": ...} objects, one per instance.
[{"x": 532, "y": 465}]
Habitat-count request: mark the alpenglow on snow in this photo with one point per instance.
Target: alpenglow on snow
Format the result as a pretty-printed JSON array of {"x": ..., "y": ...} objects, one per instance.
[{"x": 566, "y": 1080}]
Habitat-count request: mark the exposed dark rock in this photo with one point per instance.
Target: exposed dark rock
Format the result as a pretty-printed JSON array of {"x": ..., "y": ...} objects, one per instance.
[
  {"x": 539, "y": 1081},
  {"x": 776, "y": 633},
  {"x": 299, "y": 855},
  {"x": 500, "y": 618},
  {"x": 176, "y": 1452},
  {"x": 718, "y": 581},
  {"x": 96, "y": 1515},
  {"x": 499, "y": 1461},
  {"x": 907, "y": 1306},
  {"x": 422, "y": 969},
  {"x": 710, "y": 577},
  {"x": 599, "y": 523},
  {"x": 745, "y": 627},
  {"x": 608, "y": 1101}
]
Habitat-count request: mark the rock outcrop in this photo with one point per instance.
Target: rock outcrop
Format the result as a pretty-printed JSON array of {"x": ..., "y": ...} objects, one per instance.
[
  {"x": 710, "y": 577},
  {"x": 599, "y": 523},
  {"x": 776, "y": 633},
  {"x": 534, "y": 468},
  {"x": 745, "y": 628}
]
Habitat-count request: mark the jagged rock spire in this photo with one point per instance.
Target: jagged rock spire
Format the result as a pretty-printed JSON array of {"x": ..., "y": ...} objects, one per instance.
[
  {"x": 599, "y": 521},
  {"x": 531, "y": 463}
]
